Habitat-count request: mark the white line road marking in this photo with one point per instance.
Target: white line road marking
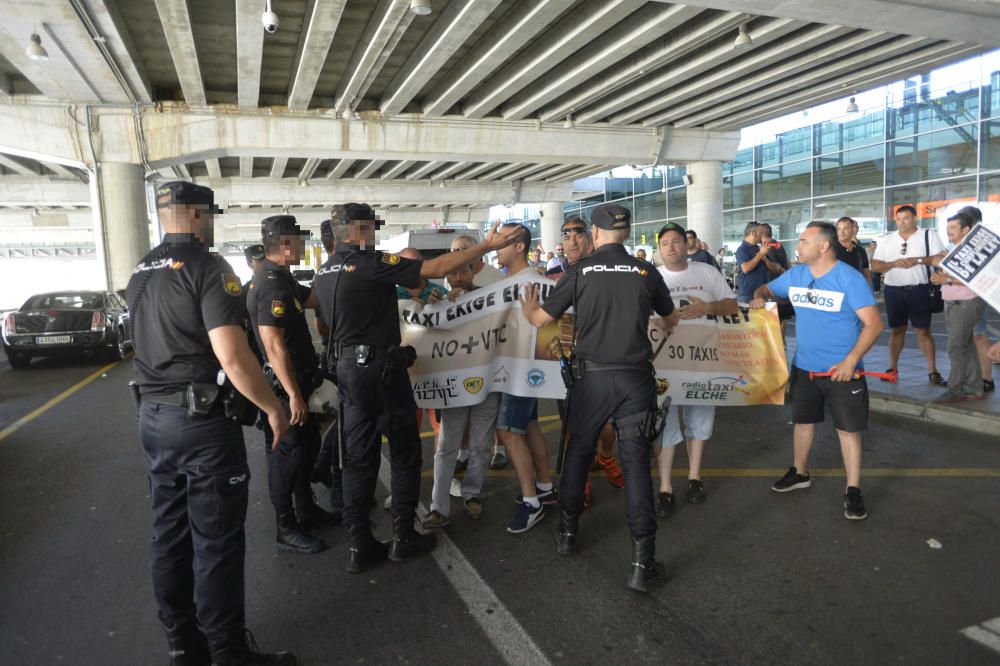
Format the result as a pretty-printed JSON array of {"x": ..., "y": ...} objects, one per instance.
[
  {"x": 500, "y": 626},
  {"x": 987, "y": 633}
]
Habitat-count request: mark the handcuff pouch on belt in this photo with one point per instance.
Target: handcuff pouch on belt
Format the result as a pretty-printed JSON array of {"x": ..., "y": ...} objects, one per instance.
[
  {"x": 570, "y": 367},
  {"x": 648, "y": 424}
]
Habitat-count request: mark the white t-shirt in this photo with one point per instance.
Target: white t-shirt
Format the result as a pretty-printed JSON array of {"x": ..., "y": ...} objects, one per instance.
[
  {"x": 890, "y": 248},
  {"x": 699, "y": 280}
]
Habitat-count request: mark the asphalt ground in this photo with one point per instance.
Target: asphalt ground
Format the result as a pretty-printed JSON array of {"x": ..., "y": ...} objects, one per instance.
[{"x": 755, "y": 577}]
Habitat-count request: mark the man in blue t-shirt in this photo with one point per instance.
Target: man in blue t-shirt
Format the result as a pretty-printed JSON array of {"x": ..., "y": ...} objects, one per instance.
[
  {"x": 837, "y": 322},
  {"x": 752, "y": 264}
]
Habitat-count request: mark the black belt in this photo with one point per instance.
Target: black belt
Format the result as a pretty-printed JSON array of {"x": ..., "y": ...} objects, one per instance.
[
  {"x": 591, "y": 366},
  {"x": 905, "y": 286},
  {"x": 347, "y": 350},
  {"x": 176, "y": 399}
]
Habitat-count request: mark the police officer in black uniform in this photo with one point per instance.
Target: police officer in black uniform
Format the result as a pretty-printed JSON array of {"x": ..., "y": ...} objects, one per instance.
[
  {"x": 255, "y": 256},
  {"x": 614, "y": 296},
  {"x": 277, "y": 305},
  {"x": 356, "y": 290},
  {"x": 187, "y": 317}
]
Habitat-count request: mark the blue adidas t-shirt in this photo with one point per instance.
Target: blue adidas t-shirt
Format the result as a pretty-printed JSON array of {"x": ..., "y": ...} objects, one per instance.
[{"x": 826, "y": 322}]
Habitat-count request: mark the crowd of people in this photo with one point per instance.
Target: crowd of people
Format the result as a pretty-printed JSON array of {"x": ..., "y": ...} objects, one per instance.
[{"x": 204, "y": 342}]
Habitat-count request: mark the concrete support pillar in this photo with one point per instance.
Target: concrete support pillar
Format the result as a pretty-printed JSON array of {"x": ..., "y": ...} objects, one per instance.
[
  {"x": 704, "y": 202},
  {"x": 552, "y": 219},
  {"x": 121, "y": 222}
]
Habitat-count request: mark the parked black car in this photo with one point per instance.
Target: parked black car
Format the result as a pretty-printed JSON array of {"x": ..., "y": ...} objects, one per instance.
[{"x": 68, "y": 323}]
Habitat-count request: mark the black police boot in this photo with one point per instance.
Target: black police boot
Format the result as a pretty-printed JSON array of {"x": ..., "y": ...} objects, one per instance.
[
  {"x": 366, "y": 551},
  {"x": 646, "y": 571},
  {"x": 293, "y": 538},
  {"x": 243, "y": 651},
  {"x": 406, "y": 542},
  {"x": 310, "y": 515},
  {"x": 566, "y": 536},
  {"x": 187, "y": 645}
]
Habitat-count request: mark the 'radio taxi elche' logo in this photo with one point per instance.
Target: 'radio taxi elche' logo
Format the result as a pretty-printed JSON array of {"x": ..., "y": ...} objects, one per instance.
[{"x": 473, "y": 385}]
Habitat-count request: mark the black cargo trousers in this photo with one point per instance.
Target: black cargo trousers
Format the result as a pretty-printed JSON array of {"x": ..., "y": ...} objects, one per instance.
[
  {"x": 198, "y": 478},
  {"x": 373, "y": 407},
  {"x": 601, "y": 396}
]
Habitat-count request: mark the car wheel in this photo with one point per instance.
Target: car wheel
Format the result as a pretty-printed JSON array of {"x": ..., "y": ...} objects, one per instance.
[
  {"x": 17, "y": 360},
  {"x": 120, "y": 349}
]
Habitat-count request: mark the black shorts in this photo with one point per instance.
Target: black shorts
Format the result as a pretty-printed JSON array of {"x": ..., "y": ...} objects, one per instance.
[
  {"x": 785, "y": 309},
  {"x": 848, "y": 401},
  {"x": 908, "y": 303}
]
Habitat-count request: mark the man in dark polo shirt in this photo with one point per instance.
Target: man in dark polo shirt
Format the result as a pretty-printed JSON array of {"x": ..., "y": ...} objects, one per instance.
[
  {"x": 751, "y": 263},
  {"x": 849, "y": 250}
]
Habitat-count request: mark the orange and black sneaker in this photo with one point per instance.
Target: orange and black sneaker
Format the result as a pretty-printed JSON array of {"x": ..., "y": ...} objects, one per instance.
[{"x": 611, "y": 468}]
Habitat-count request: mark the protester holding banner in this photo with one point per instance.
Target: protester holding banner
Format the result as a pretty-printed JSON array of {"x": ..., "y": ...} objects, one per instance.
[
  {"x": 480, "y": 420},
  {"x": 980, "y": 334},
  {"x": 697, "y": 289},
  {"x": 356, "y": 291},
  {"x": 517, "y": 419},
  {"x": 837, "y": 322},
  {"x": 611, "y": 378},
  {"x": 963, "y": 309}
]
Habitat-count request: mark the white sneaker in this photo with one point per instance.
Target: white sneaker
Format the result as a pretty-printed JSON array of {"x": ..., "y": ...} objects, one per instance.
[
  {"x": 387, "y": 504},
  {"x": 456, "y": 488}
]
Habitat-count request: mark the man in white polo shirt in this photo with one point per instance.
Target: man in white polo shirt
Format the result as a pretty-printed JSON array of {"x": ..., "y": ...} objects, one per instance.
[{"x": 904, "y": 258}]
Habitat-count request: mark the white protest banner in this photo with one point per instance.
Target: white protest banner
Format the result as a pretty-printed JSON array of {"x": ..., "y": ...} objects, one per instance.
[
  {"x": 976, "y": 262},
  {"x": 482, "y": 343}
]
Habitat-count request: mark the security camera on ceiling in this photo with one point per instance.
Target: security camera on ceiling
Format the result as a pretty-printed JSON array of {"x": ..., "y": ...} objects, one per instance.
[{"x": 269, "y": 19}]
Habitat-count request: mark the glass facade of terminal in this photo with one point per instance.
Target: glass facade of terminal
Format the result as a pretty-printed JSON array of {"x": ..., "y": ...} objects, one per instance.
[{"x": 932, "y": 141}]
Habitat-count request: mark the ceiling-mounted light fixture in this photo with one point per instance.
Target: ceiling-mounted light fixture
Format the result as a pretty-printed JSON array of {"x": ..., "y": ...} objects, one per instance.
[
  {"x": 852, "y": 106},
  {"x": 569, "y": 123},
  {"x": 35, "y": 50},
  {"x": 743, "y": 39},
  {"x": 421, "y": 7}
]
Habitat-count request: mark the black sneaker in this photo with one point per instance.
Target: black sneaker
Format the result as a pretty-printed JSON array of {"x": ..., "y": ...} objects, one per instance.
[
  {"x": 936, "y": 378},
  {"x": 461, "y": 466},
  {"x": 696, "y": 492},
  {"x": 792, "y": 480},
  {"x": 665, "y": 505},
  {"x": 989, "y": 386},
  {"x": 854, "y": 504}
]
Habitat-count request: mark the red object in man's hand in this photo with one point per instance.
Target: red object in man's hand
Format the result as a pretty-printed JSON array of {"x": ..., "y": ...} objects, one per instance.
[{"x": 892, "y": 377}]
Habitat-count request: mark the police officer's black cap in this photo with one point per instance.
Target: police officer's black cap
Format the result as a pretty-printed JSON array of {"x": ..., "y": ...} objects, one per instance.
[
  {"x": 611, "y": 216},
  {"x": 181, "y": 192},
  {"x": 281, "y": 225},
  {"x": 254, "y": 252},
  {"x": 325, "y": 229},
  {"x": 351, "y": 212}
]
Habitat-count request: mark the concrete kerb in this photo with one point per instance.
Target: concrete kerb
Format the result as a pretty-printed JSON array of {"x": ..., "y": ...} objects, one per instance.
[{"x": 950, "y": 415}]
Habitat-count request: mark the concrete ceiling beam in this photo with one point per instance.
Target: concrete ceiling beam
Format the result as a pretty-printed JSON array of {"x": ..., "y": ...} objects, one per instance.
[
  {"x": 241, "y": 192},
  {"x": 339, "y": 170},
  {"x": 450, "y": 30},
  {"x": 214, "y": 168},
  {"x": 307, "y": 170},
  {"x": 427, "y": 168},
  {"x": 762, "y": 69},
  {"x": 475, "y": 171},
  {"x": 588, "y": 21},
  {"x": 522, "y": 23},
  {"x": 278, "y": 167},
  {"x": 398, "y": 170},
  {"x": 246, "y": 167},
  {"x": 249, "y": 51},
  {"x": 885, "y": 72},
  {"x": 173, "y": 138},
  {"x": 388, "y": 23},
  {"x": 42, "y": 191},
  {"x": 763, "y": 33},
  {"x": 737, "y": 102},
  {"x": 15, "y": 165},
  {"x": 368, "y": 170},
  {"x": 970, "y": 21},
  {"x": 118, "y": 41},
  {"x": 176, "y": 21},
  {"x": 632, "y": 34},
  {"x": 323, "y": 22}
]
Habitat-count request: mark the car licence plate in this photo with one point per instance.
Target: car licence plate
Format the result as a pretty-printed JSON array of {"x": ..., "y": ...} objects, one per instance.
[{"x": 54, "y": 340}]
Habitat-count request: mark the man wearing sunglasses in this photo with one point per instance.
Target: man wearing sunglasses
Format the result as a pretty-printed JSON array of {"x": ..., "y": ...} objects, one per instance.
[
  {"x": 903, "y": 258},
  {"x": 837, "y": 322}
]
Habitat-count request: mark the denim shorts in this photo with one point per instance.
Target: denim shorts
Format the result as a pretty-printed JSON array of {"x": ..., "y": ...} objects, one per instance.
[
  {"x": 981, "y": 328},
  {"x": 515, "y": 413},
  {"x": 699, "y": 421}
]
